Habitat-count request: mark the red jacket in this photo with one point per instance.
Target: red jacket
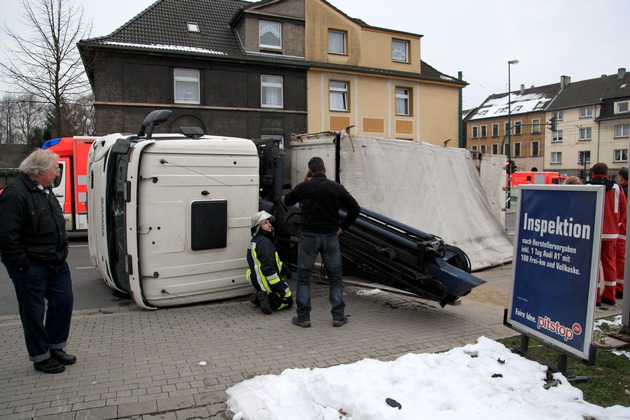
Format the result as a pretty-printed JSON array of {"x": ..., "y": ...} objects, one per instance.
[{"x": 615, "y": 209}]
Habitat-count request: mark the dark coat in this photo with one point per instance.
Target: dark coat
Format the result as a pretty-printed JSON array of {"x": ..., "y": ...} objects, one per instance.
[{"x": 32, "y": 226}]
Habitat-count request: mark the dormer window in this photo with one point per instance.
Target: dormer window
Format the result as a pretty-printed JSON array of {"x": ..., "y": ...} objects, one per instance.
[
  {"x": 192, "y": 26},
  {"x": 400, "y": 51},
  {"x": 270, "y": 35}
]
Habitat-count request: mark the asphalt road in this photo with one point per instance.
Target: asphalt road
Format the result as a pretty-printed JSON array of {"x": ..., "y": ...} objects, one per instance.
[{"x": 90, "y": 291}]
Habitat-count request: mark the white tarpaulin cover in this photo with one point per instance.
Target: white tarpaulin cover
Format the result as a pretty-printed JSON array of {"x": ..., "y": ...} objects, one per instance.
[{"x": 434, "y": 189}]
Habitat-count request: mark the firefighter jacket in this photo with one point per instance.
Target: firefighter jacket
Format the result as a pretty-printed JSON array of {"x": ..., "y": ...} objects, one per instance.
[
  {"x": 32, "y": 226},
  {"x": 265, "y": 266},
  {"x": 615, "y": 208}
]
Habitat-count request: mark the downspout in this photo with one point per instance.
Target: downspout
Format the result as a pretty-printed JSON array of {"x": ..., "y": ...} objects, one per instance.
[{"x": 460, "y": 123}]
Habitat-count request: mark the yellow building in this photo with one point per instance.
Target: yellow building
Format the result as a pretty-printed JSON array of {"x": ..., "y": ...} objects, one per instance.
[{"x": 374, "y": 80}]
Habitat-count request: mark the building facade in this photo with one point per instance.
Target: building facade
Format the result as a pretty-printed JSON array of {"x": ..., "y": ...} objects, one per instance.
[{"x": 268, "y": 69}]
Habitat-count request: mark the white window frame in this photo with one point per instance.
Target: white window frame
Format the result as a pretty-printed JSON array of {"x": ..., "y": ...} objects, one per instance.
[
  {"x": 473, "y": 148},
  {"x": 536, "y": 126},
  {"x": 587, "y": 156},
  {"x": 621, "y": 130},
  {"x": 186, "y": 85},
  {"x": 474, "y": 133},
  {"x": 271, "y": 85},
  {"x": 484, "y": 131},
  {"x": 334, "y": 37},
  {"x": 400, "y": 51},
  {"x": 482, "y": 148},
  {"x": 268, "y": 26},
  {"x": 556, "y": 157},
  {"x": 338, "y": 95},
  {"x": 403, "y": 101},
  {"x": 495, "y": 130},
  {"x": 585, "y": 133},
  {"x": 556, "y": 136},
  {"x": 517, "y": 149},
  {"x": 586, "y": 112},
  {"x": 622, "y": 107},
  {"x": 192, "y": 26},
  {"x": 559, "y": 115},
  {"x": 495, "y": 148},
  {"x": 518, "y": 127},
  {"x": 620, "y": 155}
]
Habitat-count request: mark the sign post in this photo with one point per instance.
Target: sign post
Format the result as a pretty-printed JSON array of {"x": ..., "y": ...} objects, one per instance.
[{"x": 555, "y": 266}]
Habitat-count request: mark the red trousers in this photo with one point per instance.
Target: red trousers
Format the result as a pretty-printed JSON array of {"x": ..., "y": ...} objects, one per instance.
[
  {"x": 621, "y": 264},
  {"x": 608, "y": 265}
]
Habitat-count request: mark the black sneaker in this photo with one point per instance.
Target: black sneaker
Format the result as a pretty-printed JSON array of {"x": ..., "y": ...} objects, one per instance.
[
  {"x": 339, "y": 322},
  {"x": 49, "y": 366},
  {"x": 265, "y": 307},
  {"x": 304, "y": 323},
  {"x": 608, "y": 302},
  {"x": 62, "y": 357}
]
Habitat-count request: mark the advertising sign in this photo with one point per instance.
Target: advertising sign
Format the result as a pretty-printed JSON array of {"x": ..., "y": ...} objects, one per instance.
[{"x": 555, "y": 266}]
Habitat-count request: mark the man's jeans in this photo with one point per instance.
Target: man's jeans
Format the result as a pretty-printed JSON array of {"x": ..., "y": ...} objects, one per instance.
[
  {"x": 35, "y": 285},
  {"x": 310, "y": 245}
]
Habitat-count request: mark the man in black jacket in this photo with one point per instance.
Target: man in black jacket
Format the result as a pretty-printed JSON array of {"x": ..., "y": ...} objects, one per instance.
[
  {"x": 320, "y": 227},
  {"x": 34, "y": 247}
]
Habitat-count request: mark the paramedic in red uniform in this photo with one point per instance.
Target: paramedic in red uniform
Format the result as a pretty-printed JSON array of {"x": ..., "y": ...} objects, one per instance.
[
  {"x": 615, "y": 208},
  {"x": 621, "y": 242}
]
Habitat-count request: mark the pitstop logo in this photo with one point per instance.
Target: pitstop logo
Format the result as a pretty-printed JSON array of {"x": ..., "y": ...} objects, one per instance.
[{"x": 555, "y": 327}]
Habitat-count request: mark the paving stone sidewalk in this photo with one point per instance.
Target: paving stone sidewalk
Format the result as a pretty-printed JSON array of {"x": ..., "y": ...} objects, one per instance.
[{"x": 177, "y": 363}]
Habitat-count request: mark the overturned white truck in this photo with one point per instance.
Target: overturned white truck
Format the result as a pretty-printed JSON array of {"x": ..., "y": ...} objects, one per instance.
[{"x": 169, "y": 221}]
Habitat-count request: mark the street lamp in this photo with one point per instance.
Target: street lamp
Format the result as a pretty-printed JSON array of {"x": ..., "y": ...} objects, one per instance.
[{"x": 510, "y": 132}]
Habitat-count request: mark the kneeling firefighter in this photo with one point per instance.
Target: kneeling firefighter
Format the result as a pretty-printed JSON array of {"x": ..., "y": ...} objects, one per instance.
[{"x": 265, "y": 267}]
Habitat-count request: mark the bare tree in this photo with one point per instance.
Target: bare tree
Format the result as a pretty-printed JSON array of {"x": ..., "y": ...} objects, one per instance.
[{"x": 46, "y": 63}]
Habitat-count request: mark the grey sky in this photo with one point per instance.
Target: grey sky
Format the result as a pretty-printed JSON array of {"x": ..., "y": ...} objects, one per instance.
[{"x": 550, "y": 38}]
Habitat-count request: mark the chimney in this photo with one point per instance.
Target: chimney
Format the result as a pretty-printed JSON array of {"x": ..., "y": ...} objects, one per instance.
[
  {"x": 522, "y": 89},
  {"x": 621, "y": 73},
  {"x": 564, "y": 81}
]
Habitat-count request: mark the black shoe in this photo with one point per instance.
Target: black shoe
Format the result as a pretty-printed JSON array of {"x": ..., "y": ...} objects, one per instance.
[
  {"x": 339, "y": 322},
  {"x": 265, "y": 307},
  {"x": 304, "y": 323},
  {"x": 254, "y": 299},
  {"x": 62, "y": 357},
  {"x": 608, "y": 302},
  {"x": 598, "y": 304},
  {"x": 49, "y": 366},
  {"x": 619, "y": 295}
]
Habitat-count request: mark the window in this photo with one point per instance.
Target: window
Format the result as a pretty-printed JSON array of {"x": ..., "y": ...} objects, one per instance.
[
  {"x": 620, "y": 155},
  {"x": 506, "y": 149},
  {"x": 502, "y": 110},
  {"x": 507, "y": 127},
  {"x": 517, "y": 149},
  {"x": 556, "y": 157},
  {"x": 270, "y": 34},
  {"x": 536, "y": 126},
  {"x": 400, "y": 51},
  {"x": 584, "y": 157},
  {"x": 621, "y": 130},
  {"x": 484, "y": 131},
  {"x": 495, "y": 149},
  {"x": 483, "y": 148},
  {"x": 535, "y": 149},
  {"x": 586, "y": 112},
  {"x": 517, "y": 108},
  {"x": 559, "y": 115},
  {"x": 271, "y": 91},
  {"x": 556, "y": 135},
  {"x": 186, "y": 86},
  {"x": 192, "y": 26},
  {"x": 338, "y": 96},
  {"x": 517, "y": 127},
  {"x": 495, "y": 130},
  {"x": 585, "y": 133},
  {"x": 474, "y": 148},
  {"x": 475, "y": 132},
  {"x": 336, "y": 42},
  {"x": 621, "y": 107},
  {"x": 402, "y": 101}
]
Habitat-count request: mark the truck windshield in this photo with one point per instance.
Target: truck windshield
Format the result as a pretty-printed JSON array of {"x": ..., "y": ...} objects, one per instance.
[{"x": 115, "y": 218}]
